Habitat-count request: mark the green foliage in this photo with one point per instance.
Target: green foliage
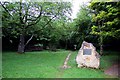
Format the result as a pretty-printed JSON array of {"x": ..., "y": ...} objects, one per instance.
[
  {"x": 82, "y": 25},
  {"x": 13, "y": 25},
  {"x": 41, "y": 45},
  {"x": 35, "y": 19},
  {"x": 102, "y": 0},
  {"x": 106, "y": 18}
]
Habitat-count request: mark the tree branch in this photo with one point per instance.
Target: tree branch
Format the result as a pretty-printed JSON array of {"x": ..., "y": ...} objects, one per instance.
[
  {"x": 20, "y": 13},
  {"x": 5, "y": 9},
  {"x": 49, "y": 21},
  {"x": 29, "y": 40},
  {"x": 46, "y": 24},
  {"x": 36, "y": 20},
  {"x": 26, "y": 12}
]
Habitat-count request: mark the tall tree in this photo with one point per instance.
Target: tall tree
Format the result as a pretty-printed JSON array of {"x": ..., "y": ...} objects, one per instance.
[
  {"x": 106, "y": 20},
  {"x": 83, "y": 24},
  {"x": 23, "y": 16}
]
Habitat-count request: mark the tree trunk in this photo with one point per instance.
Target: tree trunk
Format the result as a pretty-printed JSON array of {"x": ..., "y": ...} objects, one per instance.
[
  {"x": 101, "y": 39},
  {"x": 101, "y": 45},
  {"x": 66, "y": 44},
  {"x": 101, "y": 49},
  {"x": 21, "y": 45}
]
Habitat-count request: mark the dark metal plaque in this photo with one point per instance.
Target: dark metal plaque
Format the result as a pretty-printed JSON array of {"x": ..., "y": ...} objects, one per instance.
[{"x": 87, "y": 51}]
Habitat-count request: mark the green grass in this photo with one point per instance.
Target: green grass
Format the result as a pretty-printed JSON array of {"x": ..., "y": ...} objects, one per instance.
[{"x": 46, "y": 64}]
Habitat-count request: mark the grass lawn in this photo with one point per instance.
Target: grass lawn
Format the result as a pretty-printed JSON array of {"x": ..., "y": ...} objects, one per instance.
[{"x": 46, "y": 64}]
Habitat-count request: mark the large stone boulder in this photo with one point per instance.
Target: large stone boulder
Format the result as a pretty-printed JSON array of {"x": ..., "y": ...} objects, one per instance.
[{"x": 88, "y": 56}]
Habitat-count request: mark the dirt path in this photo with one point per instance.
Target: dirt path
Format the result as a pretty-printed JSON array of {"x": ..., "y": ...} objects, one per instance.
[
  {"x": 114, "y": 70},
  {"x": 65, "y": 66}
]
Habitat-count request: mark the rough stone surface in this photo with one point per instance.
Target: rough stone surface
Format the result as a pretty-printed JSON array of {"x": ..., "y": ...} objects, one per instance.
[{"x": 88, "y": 56}]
